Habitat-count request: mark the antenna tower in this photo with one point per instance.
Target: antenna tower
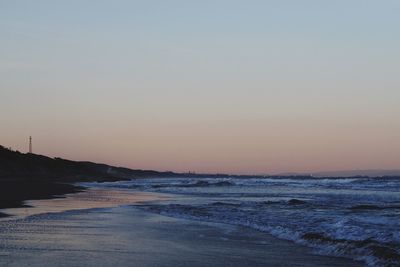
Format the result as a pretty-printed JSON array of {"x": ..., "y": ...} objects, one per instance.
[{"x": 30, "y": 144}]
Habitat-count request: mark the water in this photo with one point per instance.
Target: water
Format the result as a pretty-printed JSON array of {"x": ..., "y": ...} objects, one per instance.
[{"x": 357, "y": 218}]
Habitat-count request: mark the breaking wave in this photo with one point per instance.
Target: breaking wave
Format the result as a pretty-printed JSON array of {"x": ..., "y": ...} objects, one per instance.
[{"x": 358, "y": 218}]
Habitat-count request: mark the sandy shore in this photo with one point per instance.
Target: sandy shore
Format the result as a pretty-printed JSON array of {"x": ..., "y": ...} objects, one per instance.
[
  {"x": 88, "y": 199},
  {"x": 126, "y": 236}
]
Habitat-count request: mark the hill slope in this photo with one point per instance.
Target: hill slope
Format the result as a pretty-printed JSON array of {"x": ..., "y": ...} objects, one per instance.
[
  {"x": 30, "y": 176},
  {"x": 16, "y": 166}
]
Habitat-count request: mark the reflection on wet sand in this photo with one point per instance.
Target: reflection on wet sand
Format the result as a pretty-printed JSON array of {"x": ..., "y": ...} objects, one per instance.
[{"x": 91, "y": 198}]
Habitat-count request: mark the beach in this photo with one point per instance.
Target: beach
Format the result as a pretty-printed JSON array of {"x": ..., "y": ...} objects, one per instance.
[
  {"x": 124, "y": 235},
  {"x": 199, "y": 133}
]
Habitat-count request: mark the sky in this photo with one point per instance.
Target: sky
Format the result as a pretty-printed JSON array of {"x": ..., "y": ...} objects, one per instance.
[{"x": 248, "y": 86}]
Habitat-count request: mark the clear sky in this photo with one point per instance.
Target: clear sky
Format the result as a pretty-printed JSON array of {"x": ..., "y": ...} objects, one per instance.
[{"x": 209, "y": 86}]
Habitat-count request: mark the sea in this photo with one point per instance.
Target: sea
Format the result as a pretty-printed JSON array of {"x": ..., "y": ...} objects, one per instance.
[{"x": 357, "y": 218}]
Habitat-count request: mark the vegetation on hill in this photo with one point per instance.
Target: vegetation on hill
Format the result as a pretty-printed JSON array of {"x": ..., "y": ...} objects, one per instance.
[
  {"x": 16, "y": 166},
  {"x": 30, "y": 176}
]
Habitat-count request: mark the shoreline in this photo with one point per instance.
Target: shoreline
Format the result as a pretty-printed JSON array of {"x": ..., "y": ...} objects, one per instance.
[
  {"x": 93, "y": 199},
  {"x": 85, "y": 199},
  {"x": 130, "y": 235},
  {"x": 13, "y": 194}
]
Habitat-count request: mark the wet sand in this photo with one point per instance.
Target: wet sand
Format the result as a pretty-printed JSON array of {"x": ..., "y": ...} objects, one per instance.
[
  {"x": 13, "y": 193},
  {"x": 88, "y": 199},
  {"x": 126, "y": 236}
]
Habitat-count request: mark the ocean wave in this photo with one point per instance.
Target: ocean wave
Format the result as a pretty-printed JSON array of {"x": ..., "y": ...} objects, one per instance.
[
  {"x": 351, "y": 217},
  {"x": 364, "y": 207},
  {"x": 159, "y": 184},
  {"x": 200, "y": 183},
  {"x": 335, "y": 239}
]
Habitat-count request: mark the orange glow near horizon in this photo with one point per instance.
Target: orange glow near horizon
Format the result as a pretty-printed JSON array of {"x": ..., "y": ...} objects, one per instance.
[{"x": 232, "y": 87}]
